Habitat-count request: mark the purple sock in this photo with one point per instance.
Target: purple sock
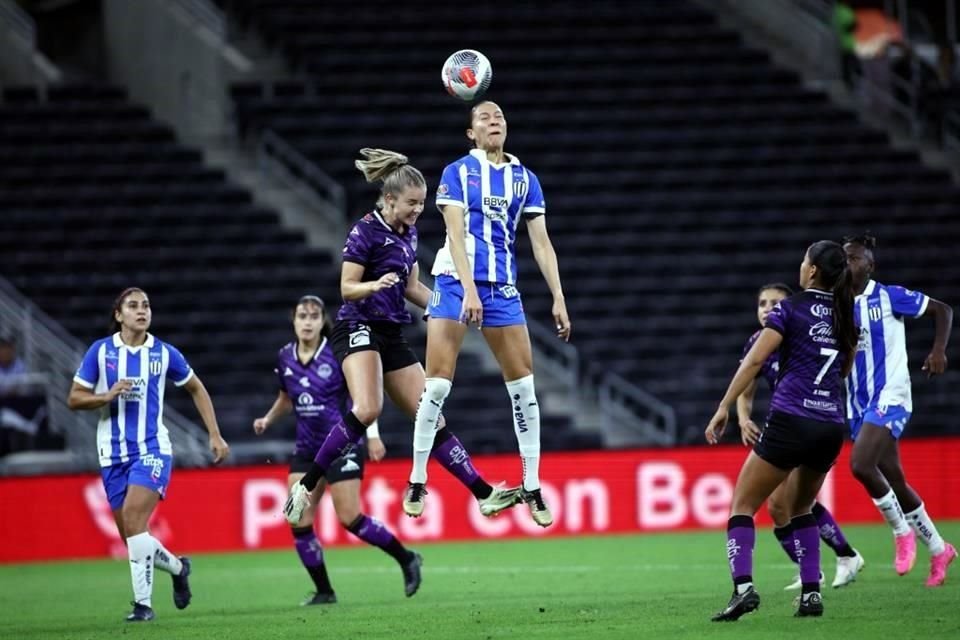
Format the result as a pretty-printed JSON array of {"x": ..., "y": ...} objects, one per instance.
[
  {"x": 830, "y": 531},
  {"x": 308, "y": 547},
  {"x": 311, "y": 555},
  {"x": 806, "y": 535},
  {"x": 451, "y": 453},
  {"x": 741, "y": 538},
  {"x": 374, "y": 533},
  {"x": 785, "y": 538},
  {"x": 333, "y": 445}
]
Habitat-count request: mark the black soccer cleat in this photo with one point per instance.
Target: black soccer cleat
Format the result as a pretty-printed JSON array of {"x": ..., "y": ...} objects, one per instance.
[
  {"x": 181, "y": 585},
  {"x": 140, "y": 613},
  {"x": 740, "y": 604},
  {"x": 810, "y": 605},
  {"x": 411, "y": 573},
  {"x": 326, "y": 597}
]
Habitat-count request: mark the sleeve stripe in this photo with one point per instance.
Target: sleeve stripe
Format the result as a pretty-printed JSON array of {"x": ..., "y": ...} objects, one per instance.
[
  {"x": 923, "y": 306},
  {"x": 534, "y": 210},
  {"x": 441, "y": 202},
  {"x": 83, "y": 383},
  {"x": 180, "y": 383}
]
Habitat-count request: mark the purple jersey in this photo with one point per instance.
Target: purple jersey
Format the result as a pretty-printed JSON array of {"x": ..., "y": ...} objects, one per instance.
[
  {"x": 810, "y": 383},
  {"x": 316, "y": 389},
  {"x": 373, "y": 244},
  {"x": 771, "y": 368}
]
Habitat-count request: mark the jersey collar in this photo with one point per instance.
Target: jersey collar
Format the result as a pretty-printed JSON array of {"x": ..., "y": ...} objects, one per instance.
[
  {"x": 117, "y": 342},
  {"x": 386, "y": 225},
  {"x": 867, "y": 290},
  {"x": 481, "y": 155}
]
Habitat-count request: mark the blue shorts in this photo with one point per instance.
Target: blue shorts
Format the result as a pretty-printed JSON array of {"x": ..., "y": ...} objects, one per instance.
[
  {"x": 151, "y": 471},
  {"x": 893, "y": 418},
  {"x": 501, "y": 302}
]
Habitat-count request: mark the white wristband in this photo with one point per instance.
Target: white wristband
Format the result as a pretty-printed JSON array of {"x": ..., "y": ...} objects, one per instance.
[{"x": 373, "y": 431}]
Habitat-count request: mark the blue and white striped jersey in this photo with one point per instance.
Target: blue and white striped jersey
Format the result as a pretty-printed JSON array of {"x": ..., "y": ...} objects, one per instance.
[
  {"x": 493, "y": 197},
  {"x": 880, "y": 375},
  {"x": 132, "y": 426}
]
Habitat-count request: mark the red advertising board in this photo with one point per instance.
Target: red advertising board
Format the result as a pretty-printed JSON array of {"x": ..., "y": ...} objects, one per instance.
[{"x": 238, "y": 508}]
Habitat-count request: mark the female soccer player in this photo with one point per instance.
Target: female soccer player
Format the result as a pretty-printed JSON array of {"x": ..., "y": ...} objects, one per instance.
[
  {"x": 311, "y": 384},
  {"x": 379, "y": 273},
  {"x": 879, "y": 404},
  {"x": 124, "y": 376},
  {"x": 482, "y": 197},
  {"x": 849, "y": 561},
  {"x": 817, "y": 338}
]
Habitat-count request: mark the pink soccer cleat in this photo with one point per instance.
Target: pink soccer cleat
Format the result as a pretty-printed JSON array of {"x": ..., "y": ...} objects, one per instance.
[
  {"x": 939, "y": 564},
  {"x": 906, "y": 552}
]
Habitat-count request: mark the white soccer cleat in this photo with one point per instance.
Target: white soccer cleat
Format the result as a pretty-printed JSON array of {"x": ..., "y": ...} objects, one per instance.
[
  {"x": 538, "y": 508},
  {"x": 498, "y": 500},
  {"x": 297, "y": 501},
  {"x": 847, "y": 570},
  {"x": 414, "y": 499},
  {"x": 797, "y": 584}
]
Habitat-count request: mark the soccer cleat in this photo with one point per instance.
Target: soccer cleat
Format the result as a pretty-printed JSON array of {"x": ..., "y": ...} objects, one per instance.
[
  {"x": 906, "y": 552},
  {"x": 498, "y": 500},
  {"x": 740, "y": 604},
  {"x": 140, "y": 613},
  {"x": 847, "y": 570},
  {"x": 939, "y": 564},
  {"x": 411, "y": 573},
  {"x": 809, "y": 605},
  {"x": 414, "y": 499},
  {"x": 538, "y": 508},
  {"x": 297, "y": 501},
  {"x": 181, "y": 585},
  {"x": 797, "y": 583},
  {"x": 328, "y": 597}
]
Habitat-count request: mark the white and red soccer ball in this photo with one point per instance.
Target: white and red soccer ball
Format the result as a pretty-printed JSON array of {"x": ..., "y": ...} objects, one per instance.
[{"x": 467, "y": 74}]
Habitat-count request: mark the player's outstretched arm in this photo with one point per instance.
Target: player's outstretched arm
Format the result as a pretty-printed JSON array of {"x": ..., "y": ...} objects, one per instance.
[
  {"x": 281, "y": 407},
  {"x": 768, "y": 342},
  {"x": 546, "y": 257},
  {"x": 936, "y": 362},
  {"x": 218, "y": 446}
]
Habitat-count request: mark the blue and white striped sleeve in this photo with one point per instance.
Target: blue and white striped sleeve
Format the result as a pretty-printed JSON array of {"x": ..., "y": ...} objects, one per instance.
[
  {"x": 450, "y": 189},
  {"x": 178, "y": 369},
  {"x": 89, "y": 371},
  {"x": 905, "y": 302},
  {"x": 535, "y": 205}
]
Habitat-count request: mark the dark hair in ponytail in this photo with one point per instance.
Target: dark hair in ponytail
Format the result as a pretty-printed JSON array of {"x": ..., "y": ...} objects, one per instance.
[
  {"x": 114, "y": 325},
  {"x": 832, "y": 272}
]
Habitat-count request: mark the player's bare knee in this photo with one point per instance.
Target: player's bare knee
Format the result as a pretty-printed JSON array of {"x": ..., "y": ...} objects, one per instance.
[{"x": 779, "y": 512}]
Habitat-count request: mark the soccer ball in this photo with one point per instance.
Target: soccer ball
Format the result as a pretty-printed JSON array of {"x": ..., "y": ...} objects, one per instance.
[{"x": 467, "y": 74}]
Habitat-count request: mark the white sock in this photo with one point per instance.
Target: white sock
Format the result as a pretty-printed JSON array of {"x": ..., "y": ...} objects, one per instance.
[
  {"x": 164, "y": 560},
  {"x": 926, "y": 530},
  {"x": 526, "y": 424},
  {"x": 893, "y": 514},
  {"x": 140, "y": 549},
  {"x": 425, "y": 425}
]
